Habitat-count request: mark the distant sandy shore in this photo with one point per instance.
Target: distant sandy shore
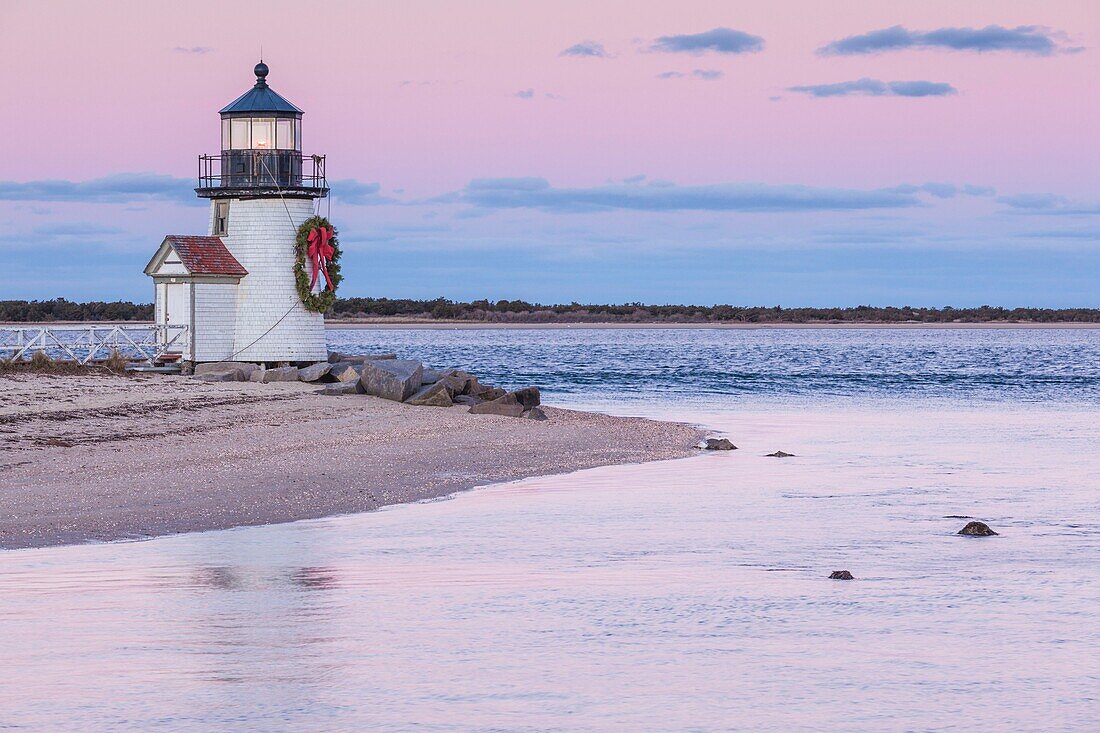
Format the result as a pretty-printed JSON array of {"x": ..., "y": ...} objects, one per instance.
[
  {"x": 399, "y": 324},
  {"x": 476, "y": 325},
  {"x": 107, "y": 458}
]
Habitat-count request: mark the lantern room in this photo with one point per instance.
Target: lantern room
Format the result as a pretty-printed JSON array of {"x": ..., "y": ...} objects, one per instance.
[{"x": 261, "y": 149}]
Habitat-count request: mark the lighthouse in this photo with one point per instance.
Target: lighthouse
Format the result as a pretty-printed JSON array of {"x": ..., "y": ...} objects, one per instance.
[{"x": 234, "y": 293}]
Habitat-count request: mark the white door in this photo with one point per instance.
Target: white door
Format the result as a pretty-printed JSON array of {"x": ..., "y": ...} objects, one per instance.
[{"x": 177, "y": 304}]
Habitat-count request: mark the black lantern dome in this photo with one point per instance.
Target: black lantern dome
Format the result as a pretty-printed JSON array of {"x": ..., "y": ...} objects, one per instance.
[{"x": 261, "y": 150}]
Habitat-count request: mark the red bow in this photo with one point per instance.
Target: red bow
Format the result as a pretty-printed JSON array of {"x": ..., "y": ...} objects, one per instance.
[{"x": 320, "y": 252}]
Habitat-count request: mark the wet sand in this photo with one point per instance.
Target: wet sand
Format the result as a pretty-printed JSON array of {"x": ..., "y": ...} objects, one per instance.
[{"x": 106, "y": 458}]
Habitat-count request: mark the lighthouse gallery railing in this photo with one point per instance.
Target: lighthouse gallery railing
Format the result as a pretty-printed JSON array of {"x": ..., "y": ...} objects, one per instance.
[{"x": 287, "y": 169}]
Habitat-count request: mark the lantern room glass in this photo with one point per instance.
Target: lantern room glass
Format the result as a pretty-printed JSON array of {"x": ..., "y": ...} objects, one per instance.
[{"x": 261, "y": 133}]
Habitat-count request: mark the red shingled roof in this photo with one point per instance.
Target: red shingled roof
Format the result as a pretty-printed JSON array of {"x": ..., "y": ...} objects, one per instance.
[{"x": 205, "y": 255}]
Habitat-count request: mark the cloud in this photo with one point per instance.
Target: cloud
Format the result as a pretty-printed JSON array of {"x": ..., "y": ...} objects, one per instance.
[
  {"x": 589, "y": 49},
  {"x": 1028, "y": 39},
  {"x": 1048, "y": 204},
  {"x": 875, "y": 88},
  {"x": 537, "y": 193},
  {"x": 704, "y": 74},
  {"x": 113, "y": 189},
  {"x": 75, "y": 229},
  {"x": 356, "y": 193},
  {"x": 972, "y": 190},
  {"x": 525, "y": 93},
  {"x": 193, "y": 49},
  {"x": 719, "y": 40}
]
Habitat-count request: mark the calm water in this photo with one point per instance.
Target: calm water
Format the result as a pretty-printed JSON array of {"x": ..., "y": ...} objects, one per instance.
[{"x": 682, "y": 596}]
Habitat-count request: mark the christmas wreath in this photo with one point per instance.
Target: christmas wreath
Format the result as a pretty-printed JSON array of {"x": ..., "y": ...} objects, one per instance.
[{"x": 318, "y": 257}]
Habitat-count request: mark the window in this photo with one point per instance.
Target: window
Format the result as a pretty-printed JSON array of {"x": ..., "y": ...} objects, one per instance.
[
  {"x": 225, "y": 136},
  {"x": 241, "y": 139},
  {"x": 284, "y": 134},
  {"x": 263, "y": 133},
  {"x": 221, "y": 218}
]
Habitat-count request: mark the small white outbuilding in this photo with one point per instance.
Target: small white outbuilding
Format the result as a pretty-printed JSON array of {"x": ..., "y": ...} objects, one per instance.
[{"x": 196, "y": 280}]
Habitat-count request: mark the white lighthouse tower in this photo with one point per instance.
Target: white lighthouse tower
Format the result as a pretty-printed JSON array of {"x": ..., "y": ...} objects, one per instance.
[{"x": 235, "y": 288}]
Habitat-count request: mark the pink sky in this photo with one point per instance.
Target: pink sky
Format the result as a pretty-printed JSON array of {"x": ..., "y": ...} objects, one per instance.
[
  {"x": 122, "y": 99},
  {"x": 420, "y": 97}
]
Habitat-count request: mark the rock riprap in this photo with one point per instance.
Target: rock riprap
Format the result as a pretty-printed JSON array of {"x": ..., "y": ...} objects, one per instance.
[
  {"x": 400, "y": 380},
  {"x": 391, "y": 379},
  {"x": 977, "y": 529}
]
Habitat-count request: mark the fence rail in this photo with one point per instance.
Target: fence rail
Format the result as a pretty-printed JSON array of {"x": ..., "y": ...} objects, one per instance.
[{"x": 84, "y": 344}]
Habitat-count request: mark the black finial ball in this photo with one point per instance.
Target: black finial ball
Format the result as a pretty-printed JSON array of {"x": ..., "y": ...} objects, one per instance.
[{"x": 261, "y": 71}]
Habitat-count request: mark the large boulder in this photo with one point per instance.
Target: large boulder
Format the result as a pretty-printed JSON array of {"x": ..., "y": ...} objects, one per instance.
[
  {"x": 465, "y": 399},
  {"x": 535, "y": 413},
  {"x": 229, "y": 375},
  {"x": 225, "y": 366},
  {"x": 507, "y": 406},
  {"x": 528, "y": 397},
  {"x": 281, "y": 374},
  {"x": 345, "y": 371},
  {"x": 342, "y": 388},
  {"x": 432, "y": 395},
  {"x": 431, "y": 376},
  {"x": 336, "y": 357},
  {"x": 488, "y": 394},
  {"x": 313, "y": 372},
  {"x": 392, "y": 379}
]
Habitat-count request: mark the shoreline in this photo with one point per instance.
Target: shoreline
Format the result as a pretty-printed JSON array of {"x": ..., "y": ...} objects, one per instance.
[
  {"x": 432, "y": 325},
  {"x": 104, "y": 458}
]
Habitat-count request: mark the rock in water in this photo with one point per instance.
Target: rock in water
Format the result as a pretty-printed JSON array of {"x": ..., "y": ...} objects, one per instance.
[
  {"x": 841, "y": 575},
  {"x": 345, "y": 371},
  {"x": 314, "y": 372},
  {"x": 507, "y": 406},
  {"x": 281, "y": 374},
  {"x": 977, "y": 529},
  {"x": 719, "y": 444},
  {"x": 392, "y": 379},
  {"x": 780, "y": 454},
  {"x": 433, "y": 395},
  {"x": 341, "y": 388}
]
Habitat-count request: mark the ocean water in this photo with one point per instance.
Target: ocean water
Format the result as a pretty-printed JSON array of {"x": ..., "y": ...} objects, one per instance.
[
  {"x": 687, "y": 595},
  {"x": 700, "y": 365}
]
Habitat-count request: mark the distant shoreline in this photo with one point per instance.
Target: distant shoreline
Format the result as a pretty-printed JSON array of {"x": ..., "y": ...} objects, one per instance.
[{"x": 443, "y": 325}]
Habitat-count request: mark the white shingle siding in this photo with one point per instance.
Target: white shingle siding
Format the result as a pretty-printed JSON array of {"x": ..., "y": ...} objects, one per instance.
[
  {"x": 215, "y": 313},
  {"x": 261, "y": 237}
]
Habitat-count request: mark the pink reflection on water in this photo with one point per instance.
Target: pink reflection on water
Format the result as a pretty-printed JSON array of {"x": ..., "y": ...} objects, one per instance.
[{"x": 673, "y": 596}]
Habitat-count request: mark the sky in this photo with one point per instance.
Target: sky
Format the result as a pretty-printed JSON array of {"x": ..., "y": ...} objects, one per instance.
[{"x": 787, "y": 152}]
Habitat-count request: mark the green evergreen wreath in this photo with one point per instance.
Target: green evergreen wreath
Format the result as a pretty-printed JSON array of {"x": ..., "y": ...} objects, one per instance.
[{"x": 303, "y": 269}]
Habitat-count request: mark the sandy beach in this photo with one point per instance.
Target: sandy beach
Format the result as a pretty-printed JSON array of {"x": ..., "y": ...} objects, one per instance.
[{"x": 106, "y": 458}]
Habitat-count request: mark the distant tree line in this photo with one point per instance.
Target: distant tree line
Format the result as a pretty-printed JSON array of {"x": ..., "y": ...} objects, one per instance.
[{"x": 519, "y": 311}]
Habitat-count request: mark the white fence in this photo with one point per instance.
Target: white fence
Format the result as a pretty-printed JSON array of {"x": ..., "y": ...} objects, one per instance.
[{"x": 83, "y": 344}]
